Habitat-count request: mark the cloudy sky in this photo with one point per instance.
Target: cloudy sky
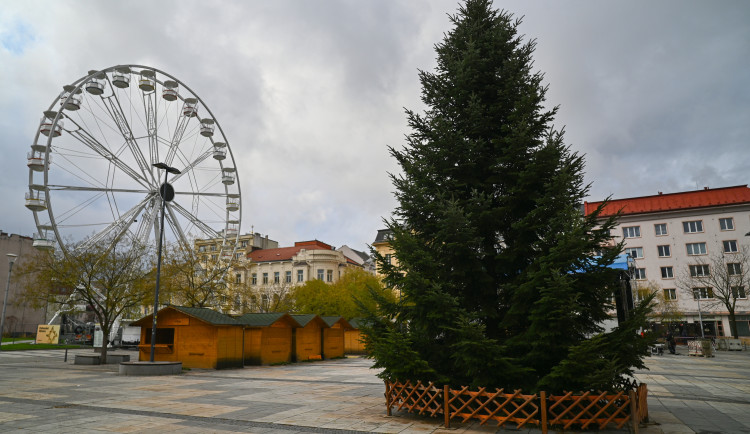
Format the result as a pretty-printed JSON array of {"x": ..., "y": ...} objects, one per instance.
[{"x": 311, "y": 93}]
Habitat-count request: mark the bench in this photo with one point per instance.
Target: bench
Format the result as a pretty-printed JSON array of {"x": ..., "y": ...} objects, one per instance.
[
  {"x": 117, "y": 358},
  {"x": 87, "y": 359}
]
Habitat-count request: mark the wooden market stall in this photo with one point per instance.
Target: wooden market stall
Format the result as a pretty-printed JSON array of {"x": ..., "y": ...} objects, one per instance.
[
  {"x": 333, "y": 336},
  {"x": 308, "y": 338},
  {"x": 197, "y": 337},
  {"x": 268, "y": 337},
  {"x": 353, "y": 339}
]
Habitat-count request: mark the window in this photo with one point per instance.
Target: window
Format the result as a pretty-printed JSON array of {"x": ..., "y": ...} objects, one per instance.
[
  {"x": 238, "y": 256},
  {"x": 320, "y": 273},
  {"x": 254, "y": 278},
  {"x": 696, "y": 248},
  {"x": 202, "y": 248},
  {"x": 692, "y": 226},
  {"x": 701, "y": 293},
  {"x": 276, "y": 277},
  {"x": 737, "y": 292},
  {"x": 243, "y": 243},
  {"x": 660, "y": 229},
  {"x": 265, "y": 278},
  {"x": 640, "y": 274},
  {"x": 734, "y": 269},
  {"x": 329, "y": 276},
  {"x": 213, "y": 247},
  {"x": 726, "y": 224},
  {"x": 388, "y": 258},
  {"x": 205, "y": 258},
  {"x": 238, "y": 278},
  {"x": 699, "y": 270},
  {"x": 288, "y": 277},
  {"x": 667, "y": 273},
  {"x": 634, "y": 252},
  {"x": 214, "y": 257},
  {"x": 670, "y": 294},
  {"x": 730, "y": 246},
  {"x": 164, "y": 336},
  {"x": 300, "y": 276},
  {"x": 664, "y": 251},
  {"x": 631, "y": 231}
]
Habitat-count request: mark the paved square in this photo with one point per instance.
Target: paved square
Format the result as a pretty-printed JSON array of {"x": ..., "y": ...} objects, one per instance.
[{"x": 42, "y": 393}]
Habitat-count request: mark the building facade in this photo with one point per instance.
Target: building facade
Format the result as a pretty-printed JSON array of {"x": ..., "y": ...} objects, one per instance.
[
  {"x": 295, "y": 265},
  {"x": 272, "y": 273},
  {"x": 361, "y": 258},
  {"x": 382, "y": 246},
  {"x": 20, "y": 317},
  {"x": 209, "y": 249},
  {"x": 680, "y": 244}
]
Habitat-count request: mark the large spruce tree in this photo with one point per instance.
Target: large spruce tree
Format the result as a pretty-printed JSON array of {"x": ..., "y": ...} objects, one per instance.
[{"x": 499, "y": 282}]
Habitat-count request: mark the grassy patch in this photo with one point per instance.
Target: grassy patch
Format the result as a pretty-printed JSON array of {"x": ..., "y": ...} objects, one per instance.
[{"x": 26, "y": 347}]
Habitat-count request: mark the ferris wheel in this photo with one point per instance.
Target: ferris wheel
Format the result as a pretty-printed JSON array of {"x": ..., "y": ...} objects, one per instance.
[{"x": 94, "y": 165}]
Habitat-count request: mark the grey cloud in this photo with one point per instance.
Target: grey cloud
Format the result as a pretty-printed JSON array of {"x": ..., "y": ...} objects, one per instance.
[{"x": 311, "y": 93}]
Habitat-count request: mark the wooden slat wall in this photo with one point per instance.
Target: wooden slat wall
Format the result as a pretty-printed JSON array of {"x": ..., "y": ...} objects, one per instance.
[
  {"x": 333, "y": 342},
  {"x": 353, "y": 342}
]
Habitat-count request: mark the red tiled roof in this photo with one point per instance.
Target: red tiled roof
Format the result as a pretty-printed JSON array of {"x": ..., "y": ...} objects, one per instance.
[
  {"x": 286, "y": 253},
  {"x": 707, "y": 197},
  {"x": 313, "y": 243}
]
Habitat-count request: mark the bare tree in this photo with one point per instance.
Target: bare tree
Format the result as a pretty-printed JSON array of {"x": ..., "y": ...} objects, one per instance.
[
  {"x": 719, "y": 280},
  {"x": 193, "y": 279},
  {"x": 273, "y": 298},
  {"x": 666, "y": 309},
  {"x": 110, "y": 278}
]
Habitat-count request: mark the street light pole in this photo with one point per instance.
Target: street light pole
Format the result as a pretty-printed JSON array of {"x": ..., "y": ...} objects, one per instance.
[
  {"x": 167, "y": 194},
  {"x": 11, "y": 258},
  {"x": 700, "y": 314}
]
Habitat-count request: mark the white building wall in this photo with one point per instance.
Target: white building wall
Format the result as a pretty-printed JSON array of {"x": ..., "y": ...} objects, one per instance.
[
  {"x": 677, "y": 239},
  {"x": 308, "y": 261}
]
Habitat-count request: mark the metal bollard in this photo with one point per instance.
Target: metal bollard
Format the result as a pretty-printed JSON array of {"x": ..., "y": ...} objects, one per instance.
[{"x": 66, "y": 355}]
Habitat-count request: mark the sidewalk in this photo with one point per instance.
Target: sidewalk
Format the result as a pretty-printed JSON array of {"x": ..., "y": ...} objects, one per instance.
[
  {"x": 695, "y": 394},
  {"x": 41, "y": 393}
]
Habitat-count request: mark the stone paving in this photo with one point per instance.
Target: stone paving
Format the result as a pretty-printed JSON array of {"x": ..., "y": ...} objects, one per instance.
[
  {"x": 696, "y": 394},
  {"x": 41, "y": 393}
]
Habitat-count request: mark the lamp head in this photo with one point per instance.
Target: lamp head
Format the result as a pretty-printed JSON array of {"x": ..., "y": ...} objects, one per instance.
[
  {"x": 167, "y": 168},
  {"x": 12, "y": 257}
]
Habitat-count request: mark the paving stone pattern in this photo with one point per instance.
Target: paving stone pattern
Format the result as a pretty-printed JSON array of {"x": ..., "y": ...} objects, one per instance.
[
  {"x": 41, "y": 393},
  {"x": 696, "y": 394}
]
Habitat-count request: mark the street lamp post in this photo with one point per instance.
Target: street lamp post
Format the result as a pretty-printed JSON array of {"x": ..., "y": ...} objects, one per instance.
[
  {"x": 11, "y": 259},
  {"x": 700, "y": 314},
  {"x": 167, "y": 194}
]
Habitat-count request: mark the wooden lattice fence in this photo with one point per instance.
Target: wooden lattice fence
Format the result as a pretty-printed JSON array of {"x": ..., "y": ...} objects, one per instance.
[{"x": 584, "y": 410}]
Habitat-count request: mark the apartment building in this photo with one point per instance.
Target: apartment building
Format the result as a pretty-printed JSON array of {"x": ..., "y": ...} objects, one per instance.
[
  {"x": 209, "y": 250},
  {"x": 677, "y": 240},
  {"x": 382, "y": 246},
  {"x": 20, "y": 316},
  {"x": 294, "y": 265},
  {"x": 361, "y": 258}
]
